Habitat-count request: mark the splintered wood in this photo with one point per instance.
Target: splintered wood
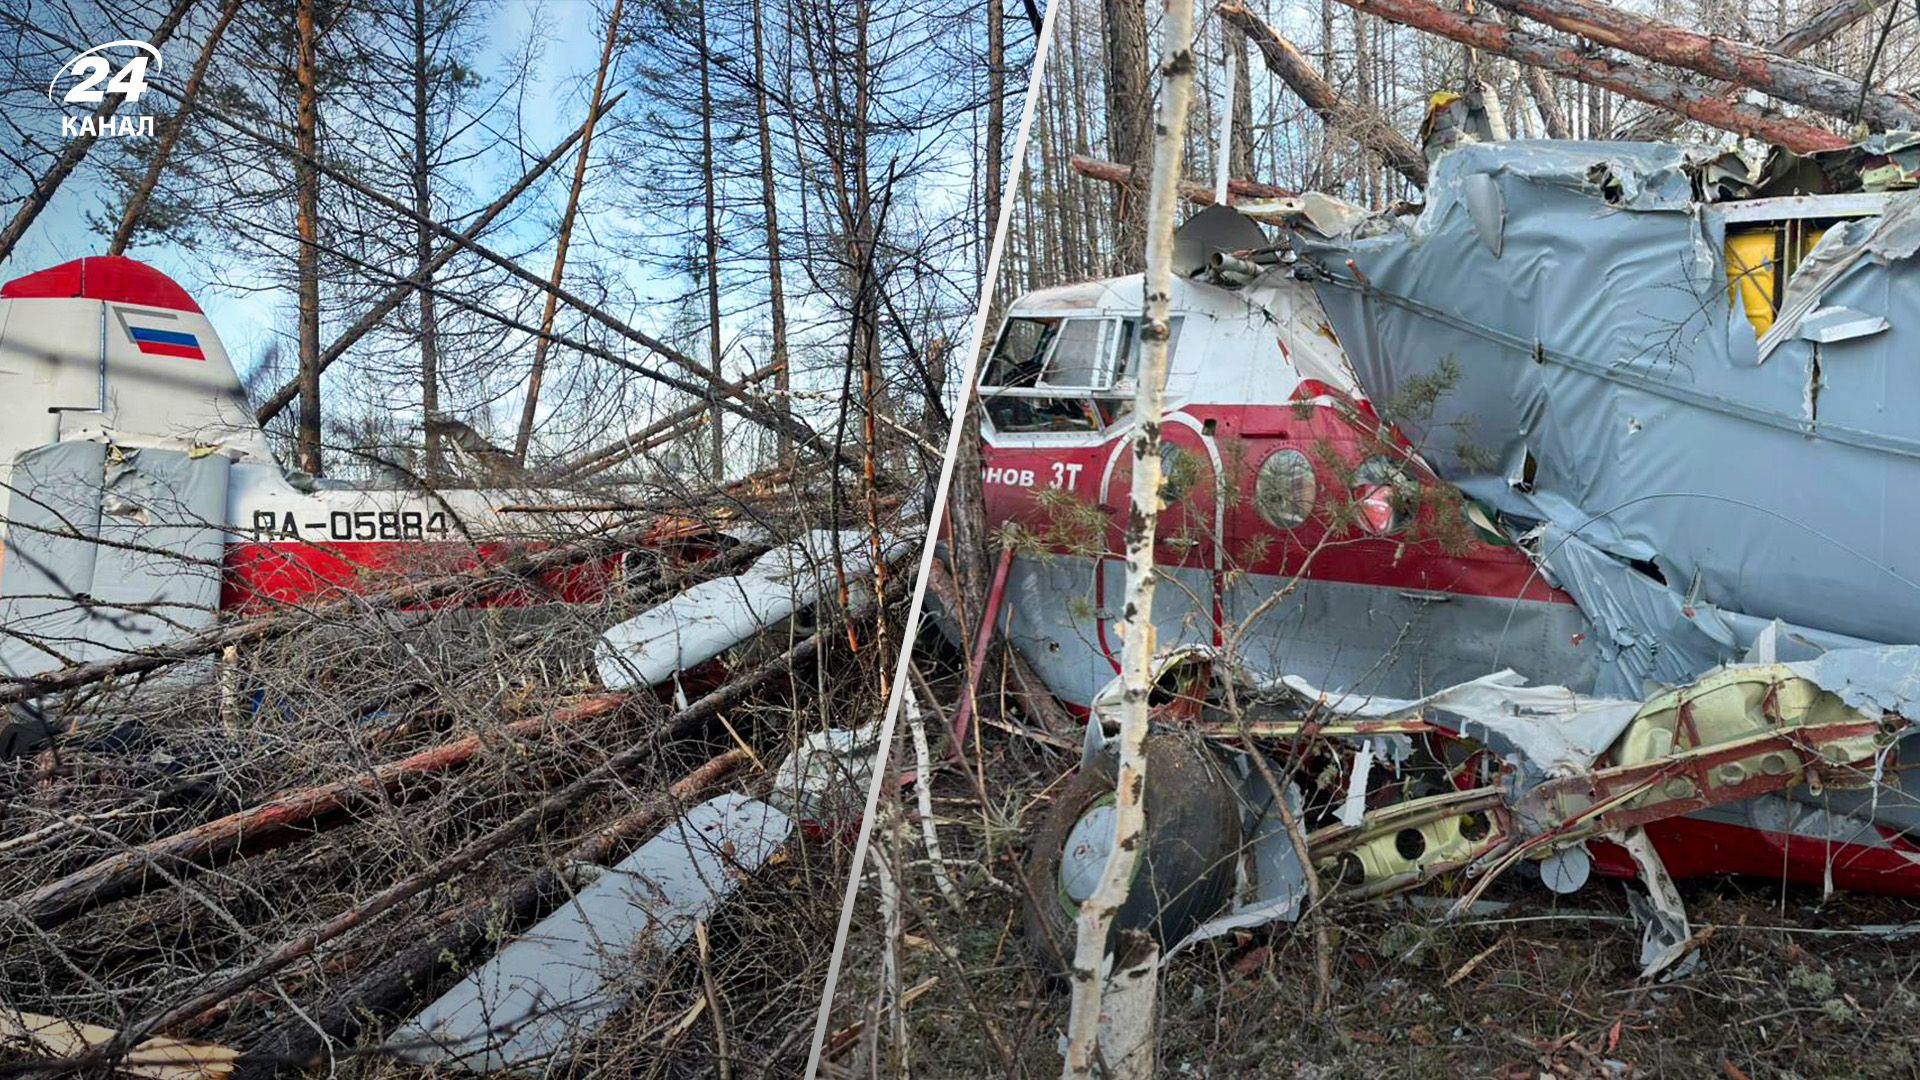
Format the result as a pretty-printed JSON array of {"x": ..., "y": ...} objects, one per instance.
[{"x": 157, "y": 1058}]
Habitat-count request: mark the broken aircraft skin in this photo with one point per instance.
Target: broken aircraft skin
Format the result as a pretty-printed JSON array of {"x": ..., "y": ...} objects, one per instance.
[
  {"x": 1677, "y": 474},
  {"x": 1689, "y": 468}
]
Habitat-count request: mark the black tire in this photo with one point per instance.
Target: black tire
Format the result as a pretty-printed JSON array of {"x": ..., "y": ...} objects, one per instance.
[{"x": 1192, "y": 834}]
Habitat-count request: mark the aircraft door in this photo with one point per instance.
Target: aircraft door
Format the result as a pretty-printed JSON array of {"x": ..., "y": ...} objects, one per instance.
[{"x": 1188, "y": 538}]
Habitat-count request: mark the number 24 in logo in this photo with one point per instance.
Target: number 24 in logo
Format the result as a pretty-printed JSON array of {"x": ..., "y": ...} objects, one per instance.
[{"x": 93, "y": 68}]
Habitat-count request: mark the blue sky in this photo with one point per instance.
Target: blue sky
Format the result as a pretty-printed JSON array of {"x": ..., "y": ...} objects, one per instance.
[{"x": 246, "y": 320}]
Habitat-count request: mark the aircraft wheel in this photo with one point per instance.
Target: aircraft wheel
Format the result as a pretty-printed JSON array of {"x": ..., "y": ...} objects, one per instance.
[{"x": 1192, "y": 837}]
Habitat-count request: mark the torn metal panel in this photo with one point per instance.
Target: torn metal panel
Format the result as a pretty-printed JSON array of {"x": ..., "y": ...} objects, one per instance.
[
  {"x": 716, "y": 615},
  {"x": 1887, "y": 679},
  {"x": 109, "y": 551},
  {"x": 1554, "y": 730},
  {"x": 1602, "y": 382},
  {"x": 557, "y": 983},
  {"x": 826, "y": 776},
  {"x": 1395, "y": 811}
]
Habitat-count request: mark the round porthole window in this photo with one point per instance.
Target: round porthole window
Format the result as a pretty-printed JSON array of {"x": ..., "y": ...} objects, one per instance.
[
  {"x": 1284, "y": 490},
  {"x": 1384, "y": 495}
]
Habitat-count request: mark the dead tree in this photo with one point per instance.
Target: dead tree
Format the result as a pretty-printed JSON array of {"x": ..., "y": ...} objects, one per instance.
[
  {"x": 1723, "y": 58},
  {"x": 372, "y": 318},
  {"x": 306, "y": 182},
  {"x": 136, "y": 206},
  {"x": 1627, "y": 79},
  {"x": 1823, "y": 26},
  {"x": 1364, "y": 126},
  {"x": 532, "y": 405}
]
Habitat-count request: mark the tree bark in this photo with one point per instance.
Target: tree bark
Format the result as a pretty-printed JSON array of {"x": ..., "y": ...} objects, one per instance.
[
  {"x": 1240, "y": 158},
  {"x": 1548, "y": 105},
  {"x": 1129, "y": 120},
  {"x": 1723, "y": 58},
  {"x": 306, "y": 182},
  {"x": 1626, "y": 79},
  {"x": 1096, "y": 915},
  {"x": 1364, "y": 126},
  {"x": 423, "y": 251},
  {"x": 1823, "y": 26},
  {"x": 136, "y": 207},
  {"x": 531, "y": 406},
  {"x": 770, "y": 208}
]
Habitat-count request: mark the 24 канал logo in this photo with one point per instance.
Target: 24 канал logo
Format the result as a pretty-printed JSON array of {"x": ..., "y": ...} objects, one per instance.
[{"x": 106, "y": 77}]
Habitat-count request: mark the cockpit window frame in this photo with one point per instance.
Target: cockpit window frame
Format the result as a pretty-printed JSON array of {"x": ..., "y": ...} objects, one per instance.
[{"x": 1107, "y": 403}]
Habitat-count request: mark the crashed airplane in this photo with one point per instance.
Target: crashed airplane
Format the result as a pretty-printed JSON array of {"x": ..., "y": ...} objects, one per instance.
[
  {"x": 1560, "y": 523},
  {"x": 144, "y": 506}
]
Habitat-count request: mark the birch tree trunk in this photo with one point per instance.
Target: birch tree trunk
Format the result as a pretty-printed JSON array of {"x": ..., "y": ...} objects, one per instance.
[{"x": 1096, "y": 915}]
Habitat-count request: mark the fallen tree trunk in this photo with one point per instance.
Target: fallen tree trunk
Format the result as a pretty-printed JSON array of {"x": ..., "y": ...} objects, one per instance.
[
  {"x": 276, "y": 821},
  {"x": 1364, "y": 126},
  {"x": 1825, "y": 23},
  {"x": 1723, "y": 58},
  {"x": 1192, "y": 191},
  {"x": 392, "y": 987},
  {"x": 1627, "y": 79}
]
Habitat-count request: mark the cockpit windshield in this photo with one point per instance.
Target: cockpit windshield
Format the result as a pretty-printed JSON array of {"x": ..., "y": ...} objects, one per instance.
[{"x": 1062, "y": 374}]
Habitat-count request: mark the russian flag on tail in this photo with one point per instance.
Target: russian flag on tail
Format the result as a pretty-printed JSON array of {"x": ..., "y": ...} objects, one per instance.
[{"x": 166, "y": 343}]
